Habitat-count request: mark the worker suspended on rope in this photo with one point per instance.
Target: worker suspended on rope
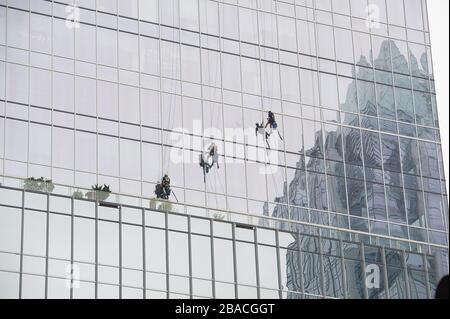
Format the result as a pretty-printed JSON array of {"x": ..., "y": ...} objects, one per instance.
[
  {"x": 162, "y": 190},
  {"x": 209, "y": 158},
  {"x": 212, "y": 154},
  {"x": 272, "y": 123},
  {"x": 260, "y": 129}
]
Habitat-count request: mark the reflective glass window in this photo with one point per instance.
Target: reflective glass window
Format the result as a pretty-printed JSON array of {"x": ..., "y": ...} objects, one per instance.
[
  {"x": 413, "y": 13},
  {"x": 108, "y": 243},
  {"x": 16, "y": 140},
  {"x": 63, "y": 148},
  {"x": 18, "y": 28},
  {"x": 201, "y": 256},
  {"x": 63, "y": 92},
  {"x": 190, "y": 64},
  {"x": 325, "y": 37},
  {"x": 223, "y": 260},
  {"x": 17, "y": 79},
  {"x": 107, "y": 48},
  {"x": 148, "y": 10},
  {"x": 10, "y": 230},
  {"x": 34, "y": 242},
  {"x": 63, "y": 39},
  {"x": 59, "y": 236},
  {"x": 178, "y": 253},
  {"x": 84, "y": 240},
  {"x": 85, "y": 45},
  {"x": 128, "y": 51},
  {"x": 155, "y": 250},
  {"x": 344, "y": 45},
  {"x": 132, "y": 247},
  {"x": 40, "y": 36}
]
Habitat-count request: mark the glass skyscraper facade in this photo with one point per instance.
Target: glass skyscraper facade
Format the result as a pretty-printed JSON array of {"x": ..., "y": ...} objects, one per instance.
[{"x": 349, "y": 202}]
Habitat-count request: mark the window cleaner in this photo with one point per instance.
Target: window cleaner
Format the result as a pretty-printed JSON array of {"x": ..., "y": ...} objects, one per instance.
[
  {"x": 260, "y": 129},
  {"x": 212, "y": 154},
  {"x": 162, "y": 190},
  {"x": 209, "y": 158},
  {"x": 273, "y": 124}
]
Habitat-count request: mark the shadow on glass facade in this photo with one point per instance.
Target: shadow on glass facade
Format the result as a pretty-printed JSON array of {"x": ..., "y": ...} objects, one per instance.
[{"x": 351, "y": 204}]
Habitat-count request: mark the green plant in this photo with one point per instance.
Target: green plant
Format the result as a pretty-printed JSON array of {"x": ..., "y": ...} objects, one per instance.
[
  {"x": 39, "y": 185},
  {"x": 104, "y": 188},
  {"x": 99, "y": 193}
]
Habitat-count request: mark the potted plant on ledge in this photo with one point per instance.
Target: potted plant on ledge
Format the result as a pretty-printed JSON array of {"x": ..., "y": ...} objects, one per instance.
[
  {"x": 38, "y": 185},
  {"x": 99, "y": 193}
]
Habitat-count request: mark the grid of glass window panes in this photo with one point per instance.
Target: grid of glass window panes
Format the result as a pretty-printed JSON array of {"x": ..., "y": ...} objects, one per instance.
[
  {"x": 56, "y": 246},
  {"x": 362, "y": 147}
]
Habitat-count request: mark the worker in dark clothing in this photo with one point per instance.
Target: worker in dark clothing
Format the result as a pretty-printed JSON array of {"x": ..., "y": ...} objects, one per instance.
[
  {"x": 162, "y": 190},
  {"x": 273, "y": 125},
  {"x": 213, "y": 154},
  {"x": 271, "y": 121},
  {"x": 260, "y": 129}
]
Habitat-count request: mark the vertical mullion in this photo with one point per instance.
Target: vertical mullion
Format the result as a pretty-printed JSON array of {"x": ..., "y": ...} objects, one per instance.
[
  {"x": 363, "y": 271},
  {"x": 378, "y": 122},
  {"x": 182, "y": 108},
  {"x": 385, "y": 274},
  {"x": 242, "y": 109},
  {"x": 47, "y": 245},
  {"x": 300, "y": 264},
  {"x": 385, "y": 192},
  {"x": 322, "y": 127},
  {"x": 160, "y": 92},
  {"x": 233, "y": 233},
  {"x": 71, "y": 246},
  {"x": 322, "y": 278},
  {"x": 405, "y": 267},
  {"x": 427, "y": 276},
  {"x": 190, "y": 256},
  {"x": 201, "y": 92},
  {"x": 213, "y": 271},
  {"x": 258, "y": 283},
  {"x": 340, "y": 113},
  {"x": 221, "y": 99},
  {"x": 344, "y": 274},
  {"x": 29, "y": 86},
  {"x": 96, "y": 102},
  {"x": 140, "y": 117},
  {"x": 281, "y": 96},
  {"x": 117, "y": 67},
  {"x": 51, "y": 90},
  {"x": 76, "y": 25},
  {"x": 6, "y": 101},
  {"x": 22, "y": 224},
  {"x": 120, "y": 252},
  {"x": 167, "y": 254},
  {"x": 262, "y": 110},
  {"x": 144, "y": 263},
  {"x": 277, "y": 243},
  {"x": 96, "y": 249}
]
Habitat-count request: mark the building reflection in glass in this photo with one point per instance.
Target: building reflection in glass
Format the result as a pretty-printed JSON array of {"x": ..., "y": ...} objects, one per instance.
[{"x": 356, "y": 188}]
